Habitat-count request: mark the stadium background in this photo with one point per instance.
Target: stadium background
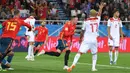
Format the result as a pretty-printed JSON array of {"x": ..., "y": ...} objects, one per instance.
[{"x": 57, "y": 12}]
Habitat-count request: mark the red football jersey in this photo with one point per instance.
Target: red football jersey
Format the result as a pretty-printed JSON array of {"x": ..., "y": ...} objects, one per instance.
[
  {"x": 68, "y": 31},
  {"x": 12, "y": 26},
  {"x": 41, "y": 35}
]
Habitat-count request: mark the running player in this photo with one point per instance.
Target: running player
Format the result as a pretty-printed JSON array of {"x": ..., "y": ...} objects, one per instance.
[
  {"x": 41, "y": 37},
  {"x": 88, "y": 37},
  {"x": 114, "y": 31},
  {"x": 30, "y": 36},
  {"x": 66, "y": 36},
  {"x": 10, "y": 30}
]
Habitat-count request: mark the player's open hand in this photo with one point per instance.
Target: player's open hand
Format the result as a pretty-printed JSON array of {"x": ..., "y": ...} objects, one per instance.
[{"x": 102, "y": 5}]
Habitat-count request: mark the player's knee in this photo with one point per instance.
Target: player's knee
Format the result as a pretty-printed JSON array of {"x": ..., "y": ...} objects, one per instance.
[
  {"x": 116, "y": 48},
  {"x": 57, "y": 54},
  {"x": 67, "y": 48},
  {"x": 110, "y": 48},
  {"x": 11, "y": 54},
  {"x": 68, "y": 51},
  {"x": 94, "y": 56}
]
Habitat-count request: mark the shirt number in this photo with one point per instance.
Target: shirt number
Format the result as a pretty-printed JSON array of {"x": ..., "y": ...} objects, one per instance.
[
  {"x": 11, "y": 26},
  {"x": 94, "y": 27}
]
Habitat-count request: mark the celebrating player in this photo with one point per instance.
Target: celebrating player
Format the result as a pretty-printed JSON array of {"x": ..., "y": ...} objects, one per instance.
[
  {"x": 88, "y": 37},
  {"x": 114, "y": 31},
  {"x": 30, "y": 35},
  {"x": 41, "y": 36},
  {"x": 66, "y": 35},
  {"x": 10, "y": 30}
]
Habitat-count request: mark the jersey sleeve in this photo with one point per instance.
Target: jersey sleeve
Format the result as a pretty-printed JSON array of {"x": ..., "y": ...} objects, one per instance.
[
  {"x": 4, "y": 23},
  {"x": 46, "y": 31},
  {"x": 25, "y": 24},
  {"x": 32, "y": 22},
  {"x": 109, "y": 23}
]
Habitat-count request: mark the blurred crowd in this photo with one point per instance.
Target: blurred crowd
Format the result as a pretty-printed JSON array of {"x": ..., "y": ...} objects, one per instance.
[
  {"x": 81, "y": 9},
  {"x": 40, "y": 8},
  {"x": 43, "y": 10}
]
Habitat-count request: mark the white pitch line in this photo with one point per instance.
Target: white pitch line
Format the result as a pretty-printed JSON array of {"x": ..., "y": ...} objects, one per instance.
[{"x": 120, "y": 67}]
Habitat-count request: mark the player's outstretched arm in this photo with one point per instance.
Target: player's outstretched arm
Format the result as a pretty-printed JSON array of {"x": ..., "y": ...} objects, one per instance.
[
  {"x": 27, "y": 25},
  {"x": 100, "y": 8}
]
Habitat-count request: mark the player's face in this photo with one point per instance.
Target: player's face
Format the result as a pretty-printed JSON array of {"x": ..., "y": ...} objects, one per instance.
[
  {"x": 18, "y": 15},
  {"x": 75, "y": 20},
  {"x": 43, "y": 25},
  {"x": 117, "y": 14}
]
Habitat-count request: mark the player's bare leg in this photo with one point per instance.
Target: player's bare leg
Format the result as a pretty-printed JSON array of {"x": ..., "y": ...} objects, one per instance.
[
  {"x": 111, "y": 55},
  {"x": 37, "y": 50},
  {"x": 76, "y": 58},
  {"x": 116, "y": 55},
  {"x": 51, "y": 53}
]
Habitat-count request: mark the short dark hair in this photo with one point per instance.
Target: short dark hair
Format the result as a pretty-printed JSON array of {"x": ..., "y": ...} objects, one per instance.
[
  {"x": 115, "y": 11},
  {"x": 16, "y": 12},
  {"x": 73, "y": 17}
]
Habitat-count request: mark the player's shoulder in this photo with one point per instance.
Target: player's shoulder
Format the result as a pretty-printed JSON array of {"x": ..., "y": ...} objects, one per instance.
[
  {"x": 18, "y": 19},
  {"x": 46, "y": 28},
  {"x": 93, "y": 18},
  {"x": 119, "y": 19},
  {"x": 68, "y": 23},
  {"x": 111, "y": 19}
]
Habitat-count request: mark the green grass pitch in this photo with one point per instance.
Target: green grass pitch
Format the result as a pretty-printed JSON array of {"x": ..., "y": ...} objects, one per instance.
[{"x": 49, "y": 64}]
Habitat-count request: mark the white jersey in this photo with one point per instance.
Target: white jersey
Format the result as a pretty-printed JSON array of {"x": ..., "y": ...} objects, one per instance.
[
  {"x": 114, "y": 25},
  {"x": 31, "y": 21},
  {"x": 91, "y": 29}
]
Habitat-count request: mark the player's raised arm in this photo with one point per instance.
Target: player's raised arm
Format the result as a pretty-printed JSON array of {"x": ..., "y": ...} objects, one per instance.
[{"x": 100, "y": 8}]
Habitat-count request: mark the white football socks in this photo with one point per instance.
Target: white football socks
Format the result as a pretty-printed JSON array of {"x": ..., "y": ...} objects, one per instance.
[
  {"x": 110, "y": 55},
  {"x": 116, "y": 56},
  {"x": 76, "y": 58},
  {"x": 94, "y": 61}
]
